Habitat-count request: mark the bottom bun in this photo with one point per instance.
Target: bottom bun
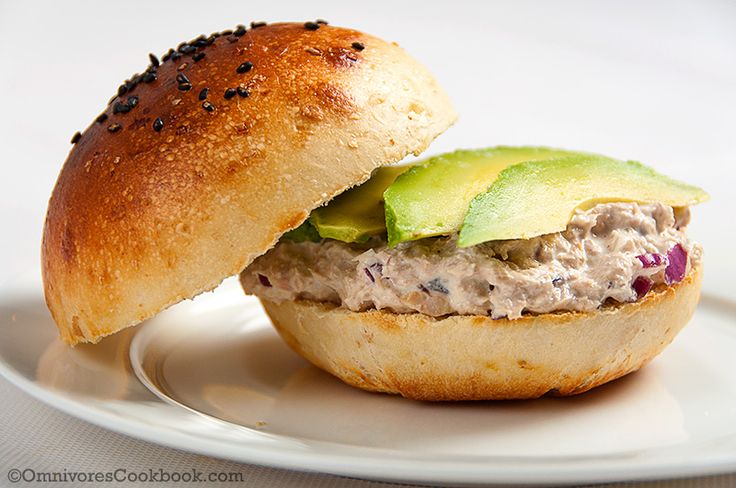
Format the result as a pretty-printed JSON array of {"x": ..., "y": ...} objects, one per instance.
[{"x": 464, "y": 357}]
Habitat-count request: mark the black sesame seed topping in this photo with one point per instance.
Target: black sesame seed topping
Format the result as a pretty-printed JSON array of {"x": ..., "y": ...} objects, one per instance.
[
  {"x": 358, "y": 46},
  {"x": 239, "y": 31},
  {"x": 149, "y": 76},
  {"x": 181, "y": 78},
  {"x": 203, "y": 93},
  {"x": 76, "y": 137},
  {"x": 322, "y": 21},
  {"x": 208, "y": 106},
  {"x": 154, "y": 60},
  {"x": 187, "y": 49},
  {"x": 313, "y": 26},
  {"x": 226, "y": 32},
  {"x": 114, "y": 127},
  {"x": 158, "y": 124},
  {"x": 175, "y": 56},
  {"x": 255, "y": 25},
  {"x": 101, "y": 118},
  {"x": 215, "y": 34},
  {"x": 120, "y": 107},
  {"x": 198, "y": 56},
  {"x": 245, "y": 67},
  {"x": 132, "y": 101},
  {"x": 242, "y": 91},
  {"x": 230, "y": 93},
  {"x": 122, "y": 90},
  {"x": 200, "y": 42},
  {"x": 184, "y": 86}
]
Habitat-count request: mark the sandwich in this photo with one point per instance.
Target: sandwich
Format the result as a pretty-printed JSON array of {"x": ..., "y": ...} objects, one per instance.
[{"x": 270, "y": 152}]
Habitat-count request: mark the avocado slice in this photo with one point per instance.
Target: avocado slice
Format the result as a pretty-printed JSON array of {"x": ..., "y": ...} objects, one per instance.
[
  {"x": 432, "y": 198},
  {"x": 357, "y": 214},
  {"x": 304, "y": 233},
  {"x": 539, "y": 197}
]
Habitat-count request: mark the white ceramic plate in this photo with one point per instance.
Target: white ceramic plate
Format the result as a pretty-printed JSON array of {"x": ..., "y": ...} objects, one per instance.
[{"x": 211, "y": 376}]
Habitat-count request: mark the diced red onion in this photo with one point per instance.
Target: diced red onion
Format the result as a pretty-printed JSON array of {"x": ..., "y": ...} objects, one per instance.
[
  {"x": 642, "y": 285},
  {"x": 369, "y": 275},
  {"x": 376, "y": 268},
  {"x": 676, "y": 264},
  {"x": 650, "y": 260}
]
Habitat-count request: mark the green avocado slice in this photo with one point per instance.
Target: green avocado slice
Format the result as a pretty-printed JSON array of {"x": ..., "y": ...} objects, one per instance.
[
  {"x": 304, "y": 233},
  {"x": 539, "y": 197},
  {"x": 432, "y": 198},
  {"x": 357, "y": 214}
]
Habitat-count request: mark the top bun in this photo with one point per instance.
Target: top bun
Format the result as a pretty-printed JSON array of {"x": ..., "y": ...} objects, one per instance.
[{"x": 170, "y": 194}]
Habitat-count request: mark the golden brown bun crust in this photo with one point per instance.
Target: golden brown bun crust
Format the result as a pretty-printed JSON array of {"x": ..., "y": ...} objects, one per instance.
[
  {"x": 140, "y": 220},
  {"x": 478, "y": 358}
]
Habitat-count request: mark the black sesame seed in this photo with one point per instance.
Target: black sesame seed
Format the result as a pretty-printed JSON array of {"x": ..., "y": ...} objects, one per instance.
[
  {"x": 149, "y": 76},
  {"x": 132, "y": 101},
  {"x": 154, "y": 60},
  {"x": 122, "y": 90},
  {"x": 264, "y": 280},
  {"x": 114, "y": 127},
  {"x": 120, "y": 107},
  {"x": 311, "y": 26},
  {"x": 322, "y": 21},
  {"x": 230, "y": 93},
  {"x": 226, "y": 32},
  {"x": 239, "y": 31},
  {"x": 203, "y": 93},
  {"x": 182, "y": 78},
  {"x": 245, "y": 67},
  {"x": 255, "y": 25},
  {"x": 76, "y": 137},
  {"x": 101, "y": 118},
  {"x": 198, "y": 56},
  {"x": 175, "y": 56},
  {"x": 358, "y": 46},
  {"x": 200, "y": 42},
  {"x": 215, "y": 34},
  {"x": 184, "y": 86},
  {"x": 187, "y": 49},
  {"x": 242, "y": 91},
  {"x": 208, "y": 106},
  {"x": 158, "y": 124}
]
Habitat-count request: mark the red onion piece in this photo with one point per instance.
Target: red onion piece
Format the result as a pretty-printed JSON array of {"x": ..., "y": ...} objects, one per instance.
[
  {"x": 642, "y": 285},
  {"x": 650, "y": 260},
  {"x": 676, "y": 264}
]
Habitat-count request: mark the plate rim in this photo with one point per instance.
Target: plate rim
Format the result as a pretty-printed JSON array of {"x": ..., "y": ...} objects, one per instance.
[{"x": 352, "y": 462}]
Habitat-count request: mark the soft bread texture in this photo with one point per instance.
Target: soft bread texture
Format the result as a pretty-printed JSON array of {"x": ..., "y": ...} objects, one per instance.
[
  {"x": 140, "y": 220},
  {"x": 478, "y": 358}
]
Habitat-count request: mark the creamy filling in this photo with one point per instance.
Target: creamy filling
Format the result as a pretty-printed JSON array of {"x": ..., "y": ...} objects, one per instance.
[{"x": 614, "y": 251}]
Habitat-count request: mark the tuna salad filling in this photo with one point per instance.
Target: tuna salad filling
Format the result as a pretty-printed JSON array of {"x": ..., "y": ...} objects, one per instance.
[{"x": 613, "y": 251}]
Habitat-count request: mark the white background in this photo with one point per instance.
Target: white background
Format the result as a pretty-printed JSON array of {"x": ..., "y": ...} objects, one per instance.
[{"x": 653, "y": 81}]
